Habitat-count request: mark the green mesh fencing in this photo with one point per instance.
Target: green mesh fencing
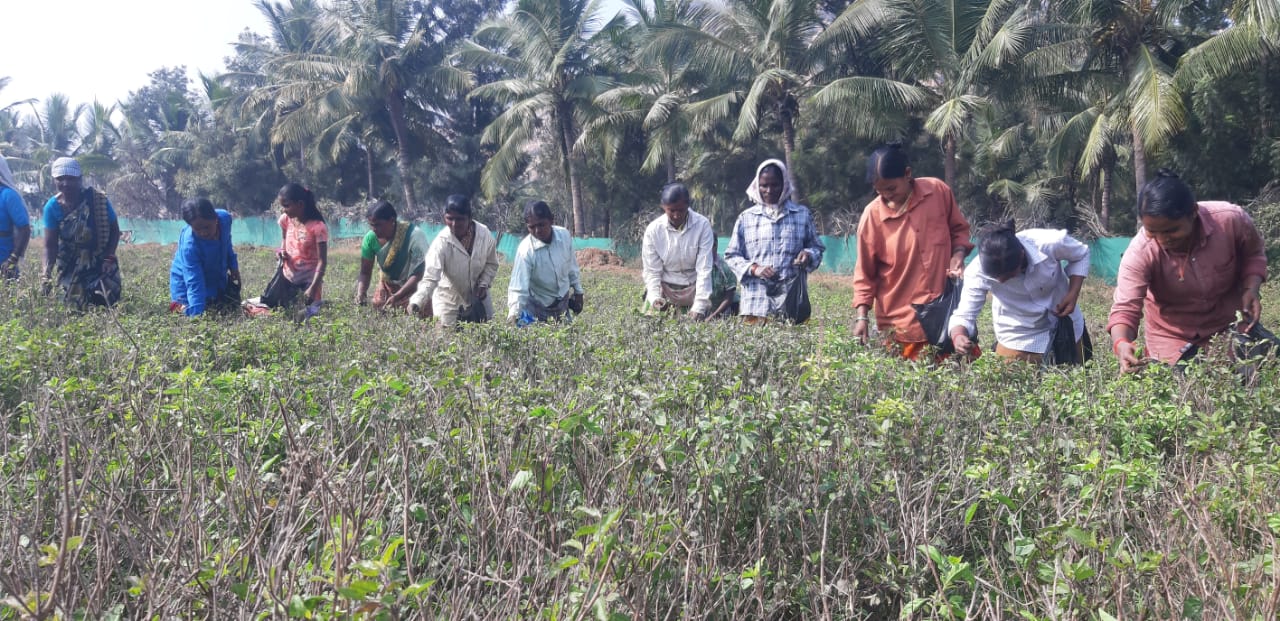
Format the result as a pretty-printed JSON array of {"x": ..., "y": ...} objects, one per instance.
[{"x": 840, "y": 257}]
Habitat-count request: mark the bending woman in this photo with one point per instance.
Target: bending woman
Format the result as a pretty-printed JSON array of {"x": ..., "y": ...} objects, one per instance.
[
  {"x": 1032, "y": 293},
  {"x": 774, "y": 244},
  {"x": 460, "y": 268},
  {"x": 1190, "y": 269},
  {"x": 205, "y": 273},
  {"x": 399, "y": 248}
]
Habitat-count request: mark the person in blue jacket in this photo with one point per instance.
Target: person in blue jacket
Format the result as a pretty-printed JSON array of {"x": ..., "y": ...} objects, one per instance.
[
  {"x": 15, "y": 224},
  {"x": 205, "y": 273}
]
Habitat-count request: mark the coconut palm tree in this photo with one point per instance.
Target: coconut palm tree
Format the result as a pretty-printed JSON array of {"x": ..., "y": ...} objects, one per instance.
[
  {"x": 369, "y": 58},
  {"x": 948, "y": 59},
  {"x": 548, "y": 51},
  {"x": 660, "y": 95}
]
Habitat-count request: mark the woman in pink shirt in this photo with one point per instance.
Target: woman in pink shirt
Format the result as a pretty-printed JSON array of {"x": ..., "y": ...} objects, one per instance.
[
  {"x": 1190, "y": 270},
  {"x": 305, "y": 251}
]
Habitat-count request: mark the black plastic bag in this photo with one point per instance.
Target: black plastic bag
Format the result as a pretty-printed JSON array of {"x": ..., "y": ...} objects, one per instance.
[
  {"x": 935, "y": 314},
  {"x": 279, "y": 292},
  {"x": 796, "y": 307},
  {"x": 1257, "y": 342},
  {"x": 1064, "y": 344}
]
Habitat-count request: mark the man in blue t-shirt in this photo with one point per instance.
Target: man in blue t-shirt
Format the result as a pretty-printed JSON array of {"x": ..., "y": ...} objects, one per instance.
[{"x": 15, "y": 224}]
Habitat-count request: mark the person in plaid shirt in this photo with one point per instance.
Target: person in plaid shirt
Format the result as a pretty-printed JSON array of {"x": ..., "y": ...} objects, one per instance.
[{"x": 774, "y": 246}]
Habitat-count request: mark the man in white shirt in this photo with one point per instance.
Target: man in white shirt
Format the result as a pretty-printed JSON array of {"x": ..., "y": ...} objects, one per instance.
[
  {"x": 679, "y": 254},
  {"x": 545, "y": 280}
]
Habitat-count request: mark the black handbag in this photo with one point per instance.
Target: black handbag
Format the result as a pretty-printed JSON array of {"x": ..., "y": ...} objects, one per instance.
[{"x": 935, "y": 314}]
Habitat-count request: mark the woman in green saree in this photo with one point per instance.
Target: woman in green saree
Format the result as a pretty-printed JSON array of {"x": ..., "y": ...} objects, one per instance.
[{"x": 399, "y": 249}]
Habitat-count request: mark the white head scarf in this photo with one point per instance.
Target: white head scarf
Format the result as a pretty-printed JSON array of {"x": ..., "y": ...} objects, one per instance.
[
  {"x": 753, "y": 191},
  {"x": 6, "y": 175},
  {"x": 65, "y": 167}
]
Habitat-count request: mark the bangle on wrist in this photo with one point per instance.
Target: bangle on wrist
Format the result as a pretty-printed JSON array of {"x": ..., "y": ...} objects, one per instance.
[
  {"x": 1115, "y": 347},
  {"x": 862, "y": 319}
]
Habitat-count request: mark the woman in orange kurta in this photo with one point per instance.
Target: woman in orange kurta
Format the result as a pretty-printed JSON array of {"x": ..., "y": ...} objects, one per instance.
[{"x": 911, "y": 238}]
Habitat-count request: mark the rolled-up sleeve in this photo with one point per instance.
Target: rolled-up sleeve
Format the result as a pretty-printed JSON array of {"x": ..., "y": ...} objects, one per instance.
[
  {"x": 193, "y": 278},
  {"x": 1131, "y": 287},
  {"x": 972, "y": 298},
  {"x": 652, "y": 270},
  {"x": 956, "y": 221},
  {"x": 518, "y": 287},
  {"x": 814, "y": 245},
  {"x": 1075, "y": 253},
  {"x": 433, "y": 267},
  {"x": 1252, "y": 252},
  {"x": 704, "y": 266},
  {"x": 864, "y": 270},
  {"x": 735, "y": 255}
]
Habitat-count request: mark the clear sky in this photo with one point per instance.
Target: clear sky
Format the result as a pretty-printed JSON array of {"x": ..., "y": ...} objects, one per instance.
[{"x": 104, "y": 49}]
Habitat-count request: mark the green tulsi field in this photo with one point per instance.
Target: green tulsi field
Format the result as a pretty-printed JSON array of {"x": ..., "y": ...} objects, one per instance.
[{"x": 622, "y": 467}]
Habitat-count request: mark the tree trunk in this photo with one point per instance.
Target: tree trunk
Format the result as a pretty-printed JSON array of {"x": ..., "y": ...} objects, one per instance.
[
  {"x": 1139, "y": 167},
  {"x": 368, "y": 163},
  {"x": 1104, "y": 204},
  {"x": 395, "y": 109},
  {"x": 949, "y": 161},
  {"x": 788, "y": 152},
  {"x": 564, "y": 124},
  {"x": 671, "y": 167}
]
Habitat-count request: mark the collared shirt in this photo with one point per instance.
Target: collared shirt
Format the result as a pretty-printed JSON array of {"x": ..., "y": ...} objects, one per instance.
[
  {"x": 760, "y": 240},
  {"x": 1022, "y": 313},
  {"x": 681, "y": 257},
  {"x": 199, "y": 270},
  {"x": 1188, "y": 297},
  {"x": 903, "y": 257},
  {"x": 452, "y": 274},
  {"x": 545, "y": 272}
]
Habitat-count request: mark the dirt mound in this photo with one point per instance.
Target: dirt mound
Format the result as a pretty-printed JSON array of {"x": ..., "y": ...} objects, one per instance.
[{"x": 589, "y": 258}]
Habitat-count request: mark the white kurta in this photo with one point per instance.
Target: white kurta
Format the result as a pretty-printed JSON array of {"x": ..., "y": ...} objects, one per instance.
[
  {"x": 544, "y": 272},
  {"x": 453, "y": 275},
  {"x": 1022, "y": 313},
  {"x": 681, "y": 256}
]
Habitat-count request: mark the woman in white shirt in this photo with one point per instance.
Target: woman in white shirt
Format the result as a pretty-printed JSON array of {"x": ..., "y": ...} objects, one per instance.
[
  {"x": 1032, "y": 290},
  {"x": 679, "y": 257},
  {"x": 460, "y": 267}
]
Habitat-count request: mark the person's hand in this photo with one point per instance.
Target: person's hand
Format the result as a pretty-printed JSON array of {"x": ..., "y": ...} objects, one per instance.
[
  {"x": 1251, "y": 305},
  {"x": 108, "y": 264},
  {"x": 482, "y": 293},
  {"x": 576, "y": 302},
  {"x": 763, "y": 271},
  {"x": 956, "y": 268},
  {"x": 1127, "y": 353},
  {"x": 1067, "y": 305},
  {"x": 960, "y": 339},
  {"x": 312, "y": 294},
  {"x": 513, "y": 320},
  {"x": 281, "y": 255},
  {"x": 861, "y": 328},
  {"x": 660, "y": 304},
  {"x": 361, "y": 300},
  {"x": 693, "y": 315},
  {"x": 802, "y": 259}
]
